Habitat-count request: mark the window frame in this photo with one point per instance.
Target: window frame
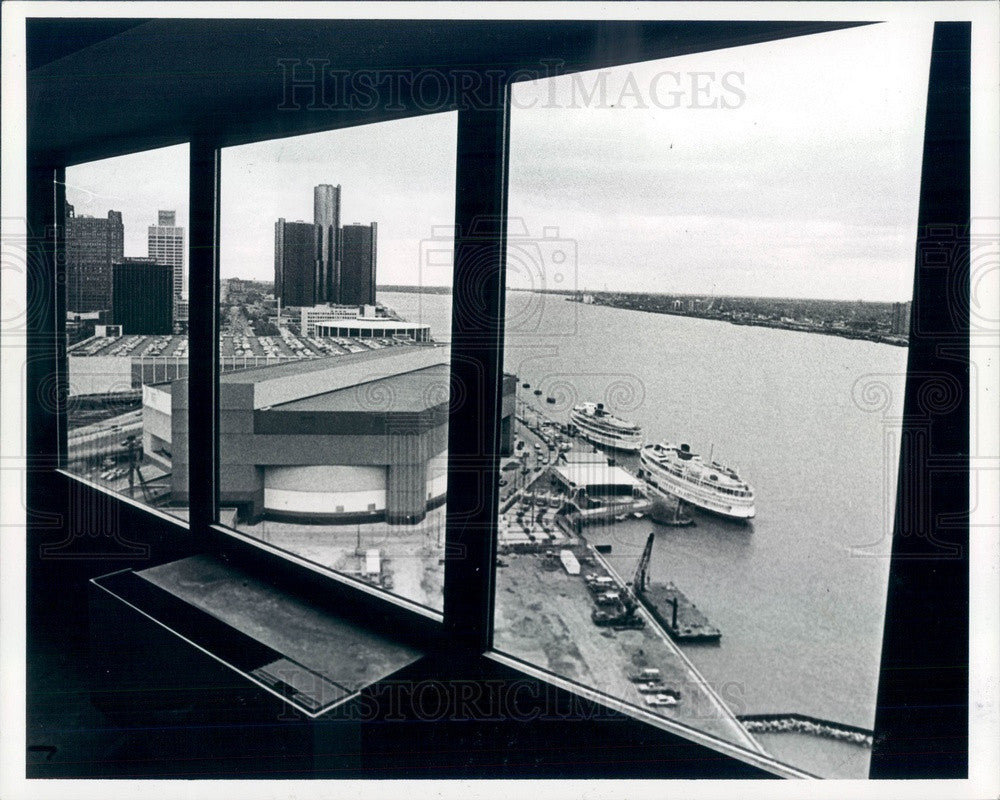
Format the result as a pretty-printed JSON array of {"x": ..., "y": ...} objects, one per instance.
[{"x": 466, "y": 624}]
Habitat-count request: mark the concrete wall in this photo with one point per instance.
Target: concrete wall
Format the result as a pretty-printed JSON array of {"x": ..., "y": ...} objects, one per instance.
[
  {"x": 158, "y": 369},
  {"x": 157, "y": 432},
  {"x": 323, "y": 492},
  {"x": 99, "y": 374}
]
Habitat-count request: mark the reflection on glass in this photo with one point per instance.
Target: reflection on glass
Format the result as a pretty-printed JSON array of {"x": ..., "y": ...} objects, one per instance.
[
  {"x": 707, "y": 314},
  {"x": 334, "y": 386},
  {"x": 126, "y": 323}
]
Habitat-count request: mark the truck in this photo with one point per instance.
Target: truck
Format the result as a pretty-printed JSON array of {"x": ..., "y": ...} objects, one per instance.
[{"x": 621, "y": 617}]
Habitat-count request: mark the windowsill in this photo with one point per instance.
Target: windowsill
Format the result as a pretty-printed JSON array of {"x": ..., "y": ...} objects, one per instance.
[
  {"x": 306, "y": 657},
  {"x": 309, "y": 658}
]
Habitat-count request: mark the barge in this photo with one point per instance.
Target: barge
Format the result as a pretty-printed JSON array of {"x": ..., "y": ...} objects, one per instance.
[{"x": 678, "y": 616}]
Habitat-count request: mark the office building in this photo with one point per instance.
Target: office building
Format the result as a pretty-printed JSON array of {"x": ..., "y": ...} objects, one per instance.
[
  {"x": 309, "y": 316},
  {"x": 359, "y": 246},
  {"x": 142, "y": 297},
  {"x": 166, "y": 246},
  {"x": 181, "y": 315},
  {"x": 93, "y": 244},
  {"x": 326, "y": 218},
  {"x": 295, "y": 270},
  {"x": 323, "y": 263}
]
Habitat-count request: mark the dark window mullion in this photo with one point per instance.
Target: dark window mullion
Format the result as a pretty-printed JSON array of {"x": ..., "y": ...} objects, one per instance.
[
  {"x": 203, "y": 333},
  {"x": 45, "y": 376},
  {"x": 922, "y": 712},
  {"x": 59, "y": 304},
  {"x": 477, "y": 371}
]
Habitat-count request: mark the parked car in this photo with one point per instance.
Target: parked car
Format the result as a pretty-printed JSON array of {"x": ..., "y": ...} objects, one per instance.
[{"x": 661, "y": 700}]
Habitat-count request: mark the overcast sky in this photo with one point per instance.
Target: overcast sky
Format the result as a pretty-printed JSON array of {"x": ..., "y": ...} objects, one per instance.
[
  {"x": 137, "y": 185},
  {"x": 805, "y": 186},
  {"x": 400, "y": 174}
]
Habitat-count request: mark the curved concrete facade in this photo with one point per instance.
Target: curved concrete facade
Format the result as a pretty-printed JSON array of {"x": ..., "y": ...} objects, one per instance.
[
  {"x": 340, "y": 494},
  {"x": 324, "y": 492}
]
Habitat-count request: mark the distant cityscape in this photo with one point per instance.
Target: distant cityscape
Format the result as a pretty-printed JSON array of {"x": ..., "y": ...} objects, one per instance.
[
  {"x": 888, "y": 323},
  {"x": 128, "y": 351},
  {"x": 104, "y": 287},
  {"x": 306, "y": 340}
]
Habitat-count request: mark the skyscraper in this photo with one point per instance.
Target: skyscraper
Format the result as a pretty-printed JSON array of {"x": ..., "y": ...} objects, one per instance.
[
  {"x": 92, "y": 245},
  {"x": 143, "y": 297},
  {"x": 166, "y": 245},
  {"x": 326, "y": 216},
  {"x": 359, "y": 246},
  {"x": 295, "y": 263},
  {"x": 322, "y": 262}
]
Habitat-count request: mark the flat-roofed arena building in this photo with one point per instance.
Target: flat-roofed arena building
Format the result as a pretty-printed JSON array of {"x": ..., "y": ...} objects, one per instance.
[{"x": 356, "y": 437}]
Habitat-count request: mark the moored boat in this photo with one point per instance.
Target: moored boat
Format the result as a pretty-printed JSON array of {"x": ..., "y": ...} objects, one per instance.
[
  {"x": 710, "y": 486},
  {"x": 598, "y": 426}
]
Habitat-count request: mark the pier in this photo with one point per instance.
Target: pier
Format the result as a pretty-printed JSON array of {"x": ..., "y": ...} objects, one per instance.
[
  {"x": 591, "y": 626},
  {"x": 670, "y": 606},
  {"x": 543, "y": 617},
  {"x": 725, "y": 716},
  {"x": 800, "y": 723}
]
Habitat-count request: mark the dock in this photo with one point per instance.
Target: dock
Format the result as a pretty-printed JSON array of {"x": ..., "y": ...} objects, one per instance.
[{"x": 721, "y": 711}]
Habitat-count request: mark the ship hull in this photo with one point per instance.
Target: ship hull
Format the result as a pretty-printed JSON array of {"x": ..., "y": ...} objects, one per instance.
[
  {"x": 604, "y": 440},
  {"x": 694, "y": 496}
]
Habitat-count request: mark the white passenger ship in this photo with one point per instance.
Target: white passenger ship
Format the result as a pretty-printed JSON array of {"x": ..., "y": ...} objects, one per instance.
[
  {"x": 713, "y": 487},
  {"x": 603, "y": 428}
]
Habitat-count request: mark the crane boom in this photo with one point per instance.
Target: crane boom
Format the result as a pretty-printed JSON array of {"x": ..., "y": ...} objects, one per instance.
[{"x": 641, "y": 577}]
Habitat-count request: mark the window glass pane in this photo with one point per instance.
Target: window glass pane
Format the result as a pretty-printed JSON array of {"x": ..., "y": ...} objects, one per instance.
[
  {"x": 335, "y": 381},
  {"x": 126, "y": 324},
  {"x": 710, "y": 268}
]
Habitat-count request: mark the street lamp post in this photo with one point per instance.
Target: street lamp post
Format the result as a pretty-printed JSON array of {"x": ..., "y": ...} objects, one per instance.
[{"x": 133, "y": 450}]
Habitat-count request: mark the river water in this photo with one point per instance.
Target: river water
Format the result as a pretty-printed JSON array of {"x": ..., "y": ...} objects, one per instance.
[{"x": 812, "y": 423}]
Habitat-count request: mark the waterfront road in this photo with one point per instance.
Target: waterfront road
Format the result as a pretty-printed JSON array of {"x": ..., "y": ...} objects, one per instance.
[{"x": 721, "y": 709}]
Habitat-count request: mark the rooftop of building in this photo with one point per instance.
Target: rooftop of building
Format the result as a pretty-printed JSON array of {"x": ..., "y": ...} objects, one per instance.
[
  {"x": 414, "y": 391},
  {"x": 132, "y": 346},
  {"x": 595, "y": 474},
  {"x": 583, "y": 456},
  {"x": 288, "y": 346},
  {"x": 303, "y": 367}
]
